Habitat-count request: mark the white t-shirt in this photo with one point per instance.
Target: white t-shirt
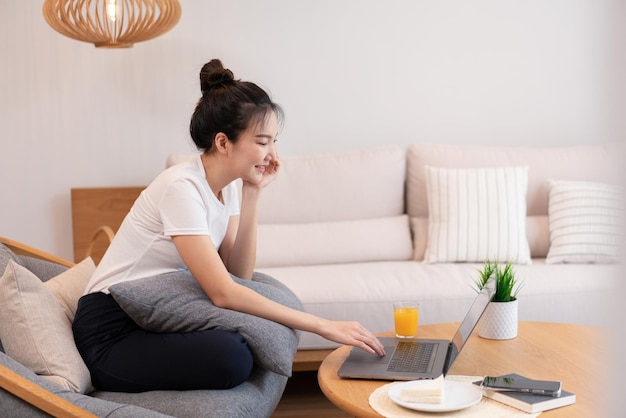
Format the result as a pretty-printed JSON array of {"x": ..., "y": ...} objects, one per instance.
[{"x": 178, "y": 202}]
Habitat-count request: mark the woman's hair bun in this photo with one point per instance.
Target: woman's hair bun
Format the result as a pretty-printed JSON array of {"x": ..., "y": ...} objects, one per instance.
[{"x": 214, "y": 75}]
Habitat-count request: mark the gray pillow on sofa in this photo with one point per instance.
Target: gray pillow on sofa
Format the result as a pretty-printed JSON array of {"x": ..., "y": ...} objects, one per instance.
[{"x": 175, "y": 302}]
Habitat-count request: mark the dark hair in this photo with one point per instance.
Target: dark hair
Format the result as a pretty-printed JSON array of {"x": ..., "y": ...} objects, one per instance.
[{"x": 227, "y": 105}]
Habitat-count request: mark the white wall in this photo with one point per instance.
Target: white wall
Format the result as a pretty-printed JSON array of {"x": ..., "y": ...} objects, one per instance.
[{"x": 350, "y": 74}]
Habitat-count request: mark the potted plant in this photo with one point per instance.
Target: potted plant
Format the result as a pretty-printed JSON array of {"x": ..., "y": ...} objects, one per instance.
[{"x": 499, "y": 322}]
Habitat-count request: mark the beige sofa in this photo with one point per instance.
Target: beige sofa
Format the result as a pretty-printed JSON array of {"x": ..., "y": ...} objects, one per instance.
[{"x": 348, "y": 232}]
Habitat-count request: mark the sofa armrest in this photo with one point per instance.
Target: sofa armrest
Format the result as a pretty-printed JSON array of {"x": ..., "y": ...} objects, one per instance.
[{"x": 38, "y": 396}]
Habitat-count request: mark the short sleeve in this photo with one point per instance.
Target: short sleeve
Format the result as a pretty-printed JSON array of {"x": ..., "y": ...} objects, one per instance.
[{"x": 183, "y": 209}]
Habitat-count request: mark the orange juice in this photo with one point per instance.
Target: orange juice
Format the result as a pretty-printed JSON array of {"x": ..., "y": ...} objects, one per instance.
[{"x": 406, "y": 318}]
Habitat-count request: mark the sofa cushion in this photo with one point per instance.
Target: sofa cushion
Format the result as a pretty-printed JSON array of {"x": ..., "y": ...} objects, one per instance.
[
  {"x": 36, "y": 332},
  {"x": 341, "y": 186},
  {"x": 477, "y": 215},
  {"x": 585, "y": 222},
  {"x": 379, "y": 239},
  {"x": 590, "y": 163},
  {"x": 7, "y": 255},
  {"x": 12, "y": 406},
  {"x": 43, "y": 269},
  {"x": 572, "y": 293},
  {"x": 256, "y": 397},
  {"x": 68, "y": 287},
  {"x": 175, "y": 302}
]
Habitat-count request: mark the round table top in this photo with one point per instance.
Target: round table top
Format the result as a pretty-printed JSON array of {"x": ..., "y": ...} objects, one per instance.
[{"x": 574, "y": 354}]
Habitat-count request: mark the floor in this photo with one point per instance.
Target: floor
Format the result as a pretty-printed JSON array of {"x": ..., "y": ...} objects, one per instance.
[{"x": 304, "y": 399}]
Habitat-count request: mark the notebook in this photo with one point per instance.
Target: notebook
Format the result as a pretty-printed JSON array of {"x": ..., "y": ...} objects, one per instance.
[{"x": 412, "y": 359}]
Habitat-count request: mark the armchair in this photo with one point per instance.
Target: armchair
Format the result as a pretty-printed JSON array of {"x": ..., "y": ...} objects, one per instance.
[{"x": 25, "y": 393}]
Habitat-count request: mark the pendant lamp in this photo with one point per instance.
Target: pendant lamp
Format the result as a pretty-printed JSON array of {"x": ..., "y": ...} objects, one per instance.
[{"x": 112, "y": 23}]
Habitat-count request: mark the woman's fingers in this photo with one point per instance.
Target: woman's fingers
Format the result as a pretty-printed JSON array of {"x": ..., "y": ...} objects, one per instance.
[
  {"x": 367, "y": 341},
  {"x": 354, "y": 334}
]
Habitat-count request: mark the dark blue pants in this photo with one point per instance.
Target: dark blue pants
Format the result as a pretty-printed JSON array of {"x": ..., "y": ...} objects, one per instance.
[{"x": 122, "y": 357}]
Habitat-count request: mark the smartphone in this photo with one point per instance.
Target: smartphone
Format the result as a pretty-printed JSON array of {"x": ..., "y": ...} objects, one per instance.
[{"x": 522, "y": 385}]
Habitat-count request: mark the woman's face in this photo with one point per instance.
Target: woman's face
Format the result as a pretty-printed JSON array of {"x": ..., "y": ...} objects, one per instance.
[{"x": 255, "y": 151}]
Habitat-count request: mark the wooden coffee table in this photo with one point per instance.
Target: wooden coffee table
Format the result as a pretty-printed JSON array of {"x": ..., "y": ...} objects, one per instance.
[{"x": 578, "y": 355}]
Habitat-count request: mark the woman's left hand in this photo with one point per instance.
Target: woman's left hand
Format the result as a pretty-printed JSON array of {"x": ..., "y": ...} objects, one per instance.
[
  {"x": 271, "y": 171},
  {"x": 352, "y": 333}
]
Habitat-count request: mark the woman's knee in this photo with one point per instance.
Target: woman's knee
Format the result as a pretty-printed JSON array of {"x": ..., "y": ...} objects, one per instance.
[{"x": 238, "y": 360}]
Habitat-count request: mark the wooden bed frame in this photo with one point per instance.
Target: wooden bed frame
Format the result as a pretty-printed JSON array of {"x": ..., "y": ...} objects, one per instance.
[{"x": 97, "y": 214}]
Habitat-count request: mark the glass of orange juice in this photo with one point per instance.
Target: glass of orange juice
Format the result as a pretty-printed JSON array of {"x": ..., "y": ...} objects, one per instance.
[{"x": 405, "y": 317}]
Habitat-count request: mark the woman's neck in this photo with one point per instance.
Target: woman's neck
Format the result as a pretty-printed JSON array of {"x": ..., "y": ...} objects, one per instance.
[{"x": 214, "y": 173}]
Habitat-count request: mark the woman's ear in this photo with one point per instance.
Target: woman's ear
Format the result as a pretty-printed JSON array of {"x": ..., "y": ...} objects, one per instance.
[{"x": 222, "y": 144}]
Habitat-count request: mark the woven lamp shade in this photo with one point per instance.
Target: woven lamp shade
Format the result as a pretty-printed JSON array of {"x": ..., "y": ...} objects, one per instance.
[{"x": 112, "y": 23}]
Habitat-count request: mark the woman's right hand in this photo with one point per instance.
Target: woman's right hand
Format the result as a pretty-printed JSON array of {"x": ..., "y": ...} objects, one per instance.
[{"x": 352, "y": 333}]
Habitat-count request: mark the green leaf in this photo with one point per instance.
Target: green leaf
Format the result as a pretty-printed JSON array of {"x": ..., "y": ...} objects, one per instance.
[{"x": 507, "y": 285}]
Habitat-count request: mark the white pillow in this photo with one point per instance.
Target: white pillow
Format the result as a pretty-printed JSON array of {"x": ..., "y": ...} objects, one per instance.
[
  {"x": 585, "y": 222},
  {"x": 536, "y": 233},
  {"x": 36, "y": 332},
  {"x": 69, "y": 286},
  {"x": 477, "y": 214}
]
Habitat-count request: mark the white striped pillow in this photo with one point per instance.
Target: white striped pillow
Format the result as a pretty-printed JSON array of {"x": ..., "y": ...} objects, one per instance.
[
  {"x": 477, "y": 214},
  {"x": 585, "y": 222}
]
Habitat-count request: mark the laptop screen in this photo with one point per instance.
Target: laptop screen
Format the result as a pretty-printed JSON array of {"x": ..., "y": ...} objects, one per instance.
[{"x": 471, "y": 319}]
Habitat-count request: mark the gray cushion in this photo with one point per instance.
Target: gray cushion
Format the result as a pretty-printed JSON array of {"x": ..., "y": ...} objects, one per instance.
[
  {"x": 175, "y": 302},
  {"x": 256, "y": 397},
  {"x": 5, "y": 256},
  {"x": 11, "y": 406},
  {"x": 43, "y": 269}
]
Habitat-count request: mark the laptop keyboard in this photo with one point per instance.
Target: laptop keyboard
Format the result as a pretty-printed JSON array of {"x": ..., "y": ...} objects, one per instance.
[{"x": 411, "y": 357}]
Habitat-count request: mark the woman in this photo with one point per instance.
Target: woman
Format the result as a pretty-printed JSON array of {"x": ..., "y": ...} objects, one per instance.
[{"x": 190, "y": 217}]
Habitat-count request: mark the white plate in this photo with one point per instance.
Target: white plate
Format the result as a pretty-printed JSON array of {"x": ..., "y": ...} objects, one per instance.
[{"x": 457, "y": 395}]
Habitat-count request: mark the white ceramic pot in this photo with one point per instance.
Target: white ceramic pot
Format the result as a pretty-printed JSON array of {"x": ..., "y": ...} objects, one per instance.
[{"x": 499, "y": 322}]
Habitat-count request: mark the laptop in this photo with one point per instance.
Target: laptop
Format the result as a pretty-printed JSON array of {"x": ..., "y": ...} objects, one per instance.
[{"x": 413, "y": 359}]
